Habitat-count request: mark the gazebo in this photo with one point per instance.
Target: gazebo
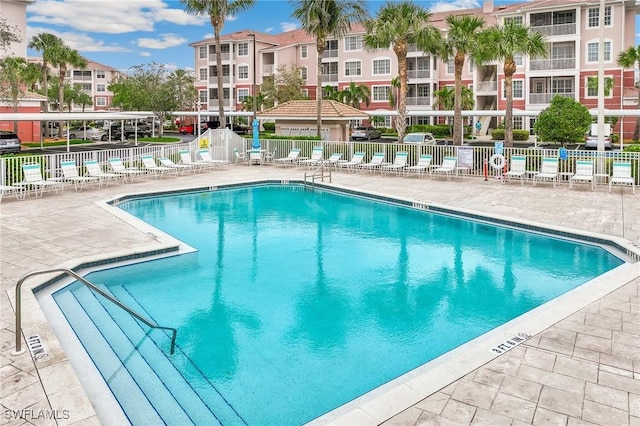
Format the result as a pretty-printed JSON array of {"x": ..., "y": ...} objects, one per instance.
[{"x": 299, "y": 118}]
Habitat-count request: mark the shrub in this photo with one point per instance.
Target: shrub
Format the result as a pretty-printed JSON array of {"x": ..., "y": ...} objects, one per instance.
[
  {"x": 438, "y": 130},
  {"x": 269, "y": 127},
  {"x": 632, "y": 148},
  {"x": 280, "y": 137},
  {"x": 518, "y": 134}
]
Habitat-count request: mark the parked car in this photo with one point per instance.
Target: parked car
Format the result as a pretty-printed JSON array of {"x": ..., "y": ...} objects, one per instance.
[
  {"x": 190, "y": 128},
  {"x": 80, "y": 132},
  {"x": 241, "y": 130},
  {"x": 365, "y": 132},
  {"x": 419, "y": 138},
  {"x": 9, "y": 142},
  {"x": 591, "y": 142}
]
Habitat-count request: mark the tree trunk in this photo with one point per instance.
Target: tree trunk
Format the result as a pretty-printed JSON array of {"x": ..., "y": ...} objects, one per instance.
[
  {"x": 320, "y": 50},
  {"x": 45, "y": 85},
  {"x": 63, "y": 71},
  {"x": 509, "y": 70},
  {"x": 221, "y": 117},
  {"x": 401, "y": 124},
  {"x": 457, "y": 101}
]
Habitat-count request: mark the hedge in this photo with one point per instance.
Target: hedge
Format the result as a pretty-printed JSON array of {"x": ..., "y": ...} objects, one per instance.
[{"x": 518, "y": 135}]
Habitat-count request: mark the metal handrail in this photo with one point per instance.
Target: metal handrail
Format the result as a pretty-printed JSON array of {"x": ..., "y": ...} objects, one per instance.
[
  {"x": 101, "y": 292},
  {"x": 312, "y": 171}
]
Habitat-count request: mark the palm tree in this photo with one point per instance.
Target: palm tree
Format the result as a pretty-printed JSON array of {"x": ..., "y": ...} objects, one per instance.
[
  {"x": 393, "y": 92},
  {"x": 327, "y": 18},
  {"x": 628, "y": 59},
  {"x": 463, "y": 38},
  {"x": 48, "y": 44},
  {"x": 445, "y": 99},
  {"x": 247, "y": 103},
  {"x": 12, "y": 77},
  {"x": 504, "y": 44},
  {"x": 63, "y": 58},
  {"x": 354, "y": 94},
  {"x": 217, "y": 11},
  {"x": 331, "y": 93},
  {"x": 400, "y": 25}
]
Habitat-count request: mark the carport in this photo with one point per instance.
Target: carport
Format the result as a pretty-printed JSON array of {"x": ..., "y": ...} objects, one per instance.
[{"x": 67, "y": 117}]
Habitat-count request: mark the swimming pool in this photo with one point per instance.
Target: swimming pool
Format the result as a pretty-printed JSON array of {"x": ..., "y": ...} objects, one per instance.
[{"x": 307, "y": 289}]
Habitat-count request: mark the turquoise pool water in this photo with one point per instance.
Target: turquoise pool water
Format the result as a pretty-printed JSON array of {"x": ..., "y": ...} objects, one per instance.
[{"x": 299, "y": 301}]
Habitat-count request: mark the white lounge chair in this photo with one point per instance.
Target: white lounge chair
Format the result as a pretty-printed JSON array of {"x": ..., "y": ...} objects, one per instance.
[
  {"x": 206, "y": 158},
  {"x": 127, "y": 173},
  {"x": 622, "y": 175},
  {"x": 33, "y": 179},
  {"x": 179, "y": 168},
  {"x": 399, "y": 163},
  {"x": 518, "y": 168},
  {"x": 316, "y": 157},
  {"x": 548, "y": 171},
  {"x": 95, "y": 170},
  {"x": 332, "y": 161},
  {"x": 448, "y": 167},
  {"x": 18, "y": 191},
  {"x": 377, "y": 161},
  {"x": 424, "y": 164},
  {"x": 185, "y": 159},
  {"x": 241, "y": 157},
  {"x": 270, "y": 156},
  {"x": 355, "y": 161},
  {"x": 150, "y": 165},
  {"x": 584, "y": 173},
  {"x": 289, "y": 160},
  {"x": 70, "y": 174}
]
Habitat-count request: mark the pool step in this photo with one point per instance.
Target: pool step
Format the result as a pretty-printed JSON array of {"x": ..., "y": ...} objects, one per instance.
[
  {"x": 199, "y": 384},
  {"x": 156, "y": 399}
]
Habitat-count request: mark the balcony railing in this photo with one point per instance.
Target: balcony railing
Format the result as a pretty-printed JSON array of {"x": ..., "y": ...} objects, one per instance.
[
  {"x": 486, "y": 86},
  {"x": 419, "y": 73},
  {"x": 418, "y": 100},
  {"x": 267, "y": 69},
  {"x": 213, "y": 102},
  {"x": 330, "y": 54},
  {"x": 214, "y": 79},
  {"x": 555, "y": 30},
  {"x": 545, "y": 98},
  {"x": 552, "y": 64},
  {"x": 225, "y": 56},
  {"x": 329, "y": 77}
]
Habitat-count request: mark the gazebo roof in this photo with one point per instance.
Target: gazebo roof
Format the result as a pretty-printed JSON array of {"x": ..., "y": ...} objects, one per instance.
[{"x": 307, "y": 110}]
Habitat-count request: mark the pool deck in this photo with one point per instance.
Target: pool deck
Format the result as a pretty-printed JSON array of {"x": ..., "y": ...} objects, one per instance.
[{"x": 583, "y": 369}]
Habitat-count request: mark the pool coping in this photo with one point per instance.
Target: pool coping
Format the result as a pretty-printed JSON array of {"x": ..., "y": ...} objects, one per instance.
[{"x": 391, "y": 398}]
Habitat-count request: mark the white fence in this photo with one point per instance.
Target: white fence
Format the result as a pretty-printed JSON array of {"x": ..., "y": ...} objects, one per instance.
[{"x": 222, "y": 143}]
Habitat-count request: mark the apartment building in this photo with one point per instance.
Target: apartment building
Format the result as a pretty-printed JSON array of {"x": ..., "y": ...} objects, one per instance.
[
  {"x": 14, "y": 12},
  {"x": 571, "y": 29},
  {"x": 93, "y": 80}
]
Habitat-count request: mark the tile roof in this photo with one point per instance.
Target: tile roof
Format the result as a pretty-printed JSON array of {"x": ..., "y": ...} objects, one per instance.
[{"x": 307, "y": 109}]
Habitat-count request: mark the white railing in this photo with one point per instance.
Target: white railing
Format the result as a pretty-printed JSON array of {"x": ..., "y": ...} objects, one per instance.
[
  {"x": 555, "y": 30},
  {"x": 545, "y": 98},
  {"x": 486, "y": 86},
  {"x": 418, "y": 73},
  {"x": 221, "y": 144},
  {"x": 418, "y": 100},
  {"x": 552, "y": 64},
  {"x": 267, "y": 69}
]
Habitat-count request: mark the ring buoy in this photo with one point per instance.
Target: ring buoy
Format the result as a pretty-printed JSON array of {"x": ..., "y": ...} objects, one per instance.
[{"x": 497, "y": 161}]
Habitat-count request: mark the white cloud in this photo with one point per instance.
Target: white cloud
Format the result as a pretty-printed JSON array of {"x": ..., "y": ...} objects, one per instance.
[
  {"x": 162, "y": 42},
  {"x": 79, "y": 41},
  {"x": 268, "y": 30},
  {"x": 145, "y": 54},
  {"x": 455, "y": 5},
  {"x": 288, "y": 26}
]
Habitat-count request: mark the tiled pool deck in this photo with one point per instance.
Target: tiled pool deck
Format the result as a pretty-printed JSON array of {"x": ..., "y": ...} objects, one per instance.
[{"x": 584, "y": 369}]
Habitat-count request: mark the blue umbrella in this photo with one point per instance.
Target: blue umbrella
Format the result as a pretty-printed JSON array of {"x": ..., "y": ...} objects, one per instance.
[{"x": 256, "y": 134}]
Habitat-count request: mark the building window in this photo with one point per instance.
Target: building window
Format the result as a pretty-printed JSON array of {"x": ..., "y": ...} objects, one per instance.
[
  {"x": 381, "y": 66},
  {"x": 517, "y": 58},
  {"x": 242, "y": 94},
  {"x": 352, "y": 68},
  {"x": 305, "y": 93},
  {"x": 352, "y": 43},
  {"x": 451, "y": 66},
  {"x": 82, "y": 75},
  {"x": 202, "y": 52},
  {"x": 101, "y": 102},
  {"x": 243, "y": 72},
  {"x": 331, "y": 45},
  {"x": 202, "y": 96},
  {"x": 380, "y": 93},
  {"x": 592, "y": 52},
  {"x": 593, "y": 17},
  {"x": 243, "y": 49},
  {"x": 517, "y": 89},
  {"x": 592, "y": 87},
  {"x": 101, "y": 88},
  {"x": 303, "y": 73},
  {"x": 518, "y": 123},
  {"x": 86, "y": 87},
  {"x": 101, "y": 74},
  {"x": 517, "y": 20},
  {"x": 203, "y": 74},
  {"x": 304, "y": 52}
]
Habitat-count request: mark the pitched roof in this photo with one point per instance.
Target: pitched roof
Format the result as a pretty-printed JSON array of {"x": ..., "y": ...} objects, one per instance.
[{"x": 307, "y": 110}]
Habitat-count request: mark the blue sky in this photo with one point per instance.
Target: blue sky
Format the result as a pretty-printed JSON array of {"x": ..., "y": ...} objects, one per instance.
[{"x": 126, "y": 33}]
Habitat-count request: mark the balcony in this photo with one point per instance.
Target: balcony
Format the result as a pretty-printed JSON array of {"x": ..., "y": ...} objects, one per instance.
[
  {"x": 552, "y": 64},
  {"x": 330, "y": 54},
  {"x": 419, "y": 73},
  {"x": 486, "y": 86},
  {"x": 214, "y": 102},
  {"x": 545, "y": 98},
  {"x": 329, "y": 77},
  {"x": 225, "y": 56},
  {"x": 214, "y": 79},
  {"x": 555, "y": 30},
  {"x": 267, "y": 69},
  {"x": 419, "y": 100}
]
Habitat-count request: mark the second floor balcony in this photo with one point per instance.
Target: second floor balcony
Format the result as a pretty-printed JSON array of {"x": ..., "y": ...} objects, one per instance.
[
  {"x": 333, "y": 53},
  {"x": 225, "y": 56},
  {"x": 419, "y": 100},
  {"x": 486, "y": 86},
  {"x": 552, "y": 64},
  {"x": 213, "y": 102},
  {"x": 329, "y": 77},
  {"x": 545, "y": 98},
  {"x": 214, "y": 79},
  {"x": 555, "y": 30},
  {"x": 268, "y": 69},
  {"x": 419, "y": 73}
]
